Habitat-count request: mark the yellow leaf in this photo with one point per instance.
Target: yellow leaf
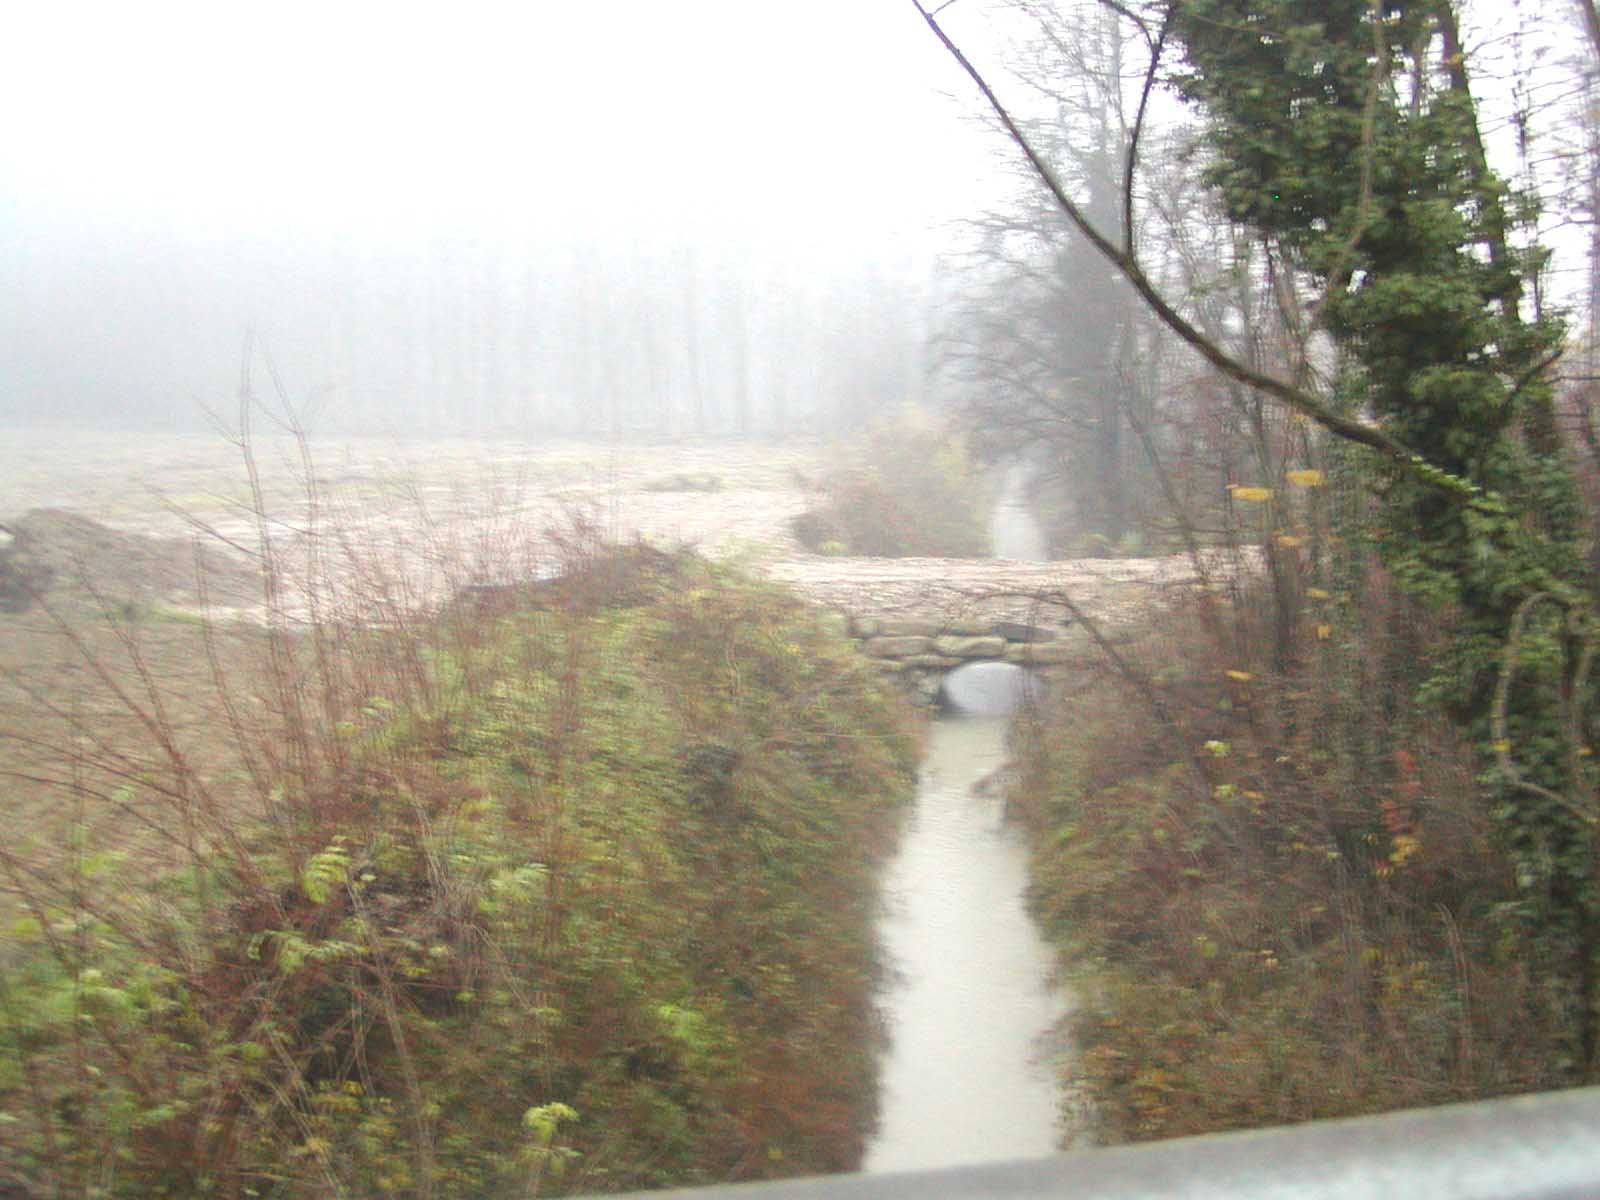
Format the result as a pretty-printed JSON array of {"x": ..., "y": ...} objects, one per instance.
[
  {"x": 1318, "y": 594},
  {"x": 1241, "y": 676},
  {"x": 1405, "y": 847},
  {"x": 1308, "y": 478},
  {"x": 1324, "y": 631},
  {"x": 1253, "y": 494},
  {"x": 1500, "y": 747},
  {"x": 1289, "y": 539}
]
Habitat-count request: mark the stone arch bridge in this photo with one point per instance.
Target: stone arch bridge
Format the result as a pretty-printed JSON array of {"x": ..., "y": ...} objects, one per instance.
[{"x": 923, "y": 617}]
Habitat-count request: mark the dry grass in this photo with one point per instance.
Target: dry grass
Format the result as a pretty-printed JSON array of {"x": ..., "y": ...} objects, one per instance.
[{"x": 1282, "y": 889}]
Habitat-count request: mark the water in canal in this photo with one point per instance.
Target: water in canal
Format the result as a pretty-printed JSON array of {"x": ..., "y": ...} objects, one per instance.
[{"x": 970, "y": 1012}]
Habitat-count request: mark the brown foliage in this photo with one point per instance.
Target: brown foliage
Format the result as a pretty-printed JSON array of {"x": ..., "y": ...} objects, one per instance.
[{"x": 1310, "y": 919}]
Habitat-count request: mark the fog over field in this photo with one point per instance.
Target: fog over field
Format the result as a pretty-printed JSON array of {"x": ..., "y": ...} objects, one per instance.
[
  {"x": 599, "y": 596},
  {"x": 716, "y": 217}
]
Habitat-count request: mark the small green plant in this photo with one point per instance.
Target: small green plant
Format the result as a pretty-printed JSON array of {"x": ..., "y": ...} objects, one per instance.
[{"x": 542, "y": 1153}]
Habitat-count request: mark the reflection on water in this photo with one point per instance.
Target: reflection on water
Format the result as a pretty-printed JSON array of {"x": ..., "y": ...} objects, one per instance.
[{"x": 966, "y": 1078}]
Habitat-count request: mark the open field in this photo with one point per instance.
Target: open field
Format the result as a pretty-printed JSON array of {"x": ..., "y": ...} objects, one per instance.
[
  {"x": 720, "y": 497},
  {"x": 366, "y": 532},
  {"x": 120, "y": 641}
]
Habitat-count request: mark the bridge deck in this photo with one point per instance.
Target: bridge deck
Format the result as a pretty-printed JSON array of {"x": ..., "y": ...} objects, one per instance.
[{"x": 960, "y": 591}]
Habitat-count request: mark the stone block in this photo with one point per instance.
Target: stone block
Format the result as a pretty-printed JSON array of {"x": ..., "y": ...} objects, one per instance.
[
  {"x": 1016, "y": 631},
  {"x": 865, "y": 627},
  {"x": 941, "y": 662},
  {"x": 969, "y": 627},
  {"x": 924, "y": 627},
  {"x": 1045, "y": 652},
  {"x": 896, "y": 647},
  {"x": 970, "y": 647}
]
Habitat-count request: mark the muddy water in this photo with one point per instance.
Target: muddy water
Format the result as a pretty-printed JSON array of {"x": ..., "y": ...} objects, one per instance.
[{"x": 968, "y": 1076}]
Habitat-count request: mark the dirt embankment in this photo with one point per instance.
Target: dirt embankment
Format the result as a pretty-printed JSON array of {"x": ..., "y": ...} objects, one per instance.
[{"x": 50, "y": 550}]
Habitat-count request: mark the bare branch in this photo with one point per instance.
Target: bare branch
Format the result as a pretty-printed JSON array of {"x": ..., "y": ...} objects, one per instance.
[
  {"x": 1298, "y": 399},
  {"x": 1122, "y": 10},
  {"x": 1131, "y": 163}
]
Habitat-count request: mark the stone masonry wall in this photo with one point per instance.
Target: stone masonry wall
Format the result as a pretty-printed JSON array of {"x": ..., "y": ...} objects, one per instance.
[{"x": 919, "y": 651}]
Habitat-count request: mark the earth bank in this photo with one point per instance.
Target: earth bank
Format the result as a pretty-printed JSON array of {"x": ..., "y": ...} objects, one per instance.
[{"x": 575, "y": 896}]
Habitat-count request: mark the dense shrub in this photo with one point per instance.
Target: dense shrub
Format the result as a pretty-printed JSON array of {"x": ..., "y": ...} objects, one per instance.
[
  {"x": 570, "y": 894},
  {"x": 904, "y": 489},
  {"x": 1281, "y": 889}
]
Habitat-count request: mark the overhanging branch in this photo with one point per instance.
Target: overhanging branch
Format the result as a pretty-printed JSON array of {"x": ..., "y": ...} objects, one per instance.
[{"x": 1297, "y": 399}]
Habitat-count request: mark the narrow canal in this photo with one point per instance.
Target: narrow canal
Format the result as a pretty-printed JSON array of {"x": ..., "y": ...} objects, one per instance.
[{"x": 968, "y": 1076}]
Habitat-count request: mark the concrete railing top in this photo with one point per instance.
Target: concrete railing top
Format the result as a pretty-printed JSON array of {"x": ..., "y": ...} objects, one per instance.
[{"x": 1541, "y": 1147}]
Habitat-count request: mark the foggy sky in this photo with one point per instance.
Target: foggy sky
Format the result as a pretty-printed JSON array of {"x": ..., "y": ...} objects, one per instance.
[
  {"x": 330, "y": 175},
  {"x": 455, "y": 214}
]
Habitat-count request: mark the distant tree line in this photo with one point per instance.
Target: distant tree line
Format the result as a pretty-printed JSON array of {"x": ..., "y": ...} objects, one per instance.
[{"x": 563, "y": 331}]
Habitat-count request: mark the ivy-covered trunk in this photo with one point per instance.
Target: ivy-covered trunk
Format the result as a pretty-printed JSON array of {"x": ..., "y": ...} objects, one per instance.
[{"x": 1345, "y": 133}]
